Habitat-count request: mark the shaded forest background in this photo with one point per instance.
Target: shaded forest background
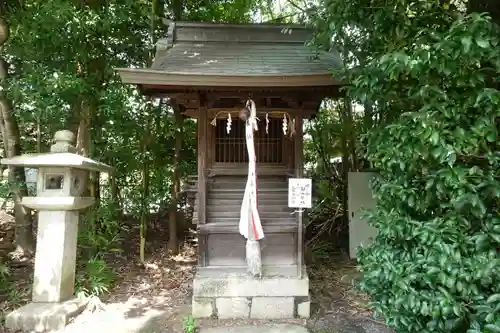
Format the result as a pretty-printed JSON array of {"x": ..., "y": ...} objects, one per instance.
[{"x": 61, "y": 56}]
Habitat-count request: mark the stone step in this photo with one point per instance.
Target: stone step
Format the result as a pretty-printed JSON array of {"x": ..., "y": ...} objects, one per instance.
[
  {"x": 238, "y": 179},
  {"x": 281, "y": 201},
  {"x": 235, "y": 200},
  {"x": 264, "y": 219},
  {"x": 277, "y": 226},
  {"x": 277, "y": 190},
  {"x": 268, "y": 328},
  {"x": 241, "y": 185},
  {"x": 263, "y": 208},
  {"x": 236, "y": 214}
]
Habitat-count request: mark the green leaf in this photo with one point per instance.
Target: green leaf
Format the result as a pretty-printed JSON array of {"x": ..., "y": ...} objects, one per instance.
[
  {"x": 467, "y": 43},
  {"x": 434, "y": 138},
  {"x": 491, "y": 137},
  {"x": 424, "y": 310},
  {"x": 493, "y": 298},
  {"x": 483, "y": 42},
  {"x": 452, "y": 157},
  {"x": 492, "y": 328}
]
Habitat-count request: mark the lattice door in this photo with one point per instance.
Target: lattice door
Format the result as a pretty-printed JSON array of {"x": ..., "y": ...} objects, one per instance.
[{"x": 231, "y": 147}]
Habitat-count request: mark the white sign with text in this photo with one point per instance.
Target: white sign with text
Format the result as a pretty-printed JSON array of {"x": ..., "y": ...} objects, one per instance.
[{"x": 299, "y": 192}]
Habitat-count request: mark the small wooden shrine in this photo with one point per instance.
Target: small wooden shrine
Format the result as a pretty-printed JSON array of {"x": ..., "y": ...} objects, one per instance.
[{"x": 211, "y": 71}]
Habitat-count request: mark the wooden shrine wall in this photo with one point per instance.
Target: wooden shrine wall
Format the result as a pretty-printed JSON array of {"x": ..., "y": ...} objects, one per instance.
[{"x": 222, "y": 171}]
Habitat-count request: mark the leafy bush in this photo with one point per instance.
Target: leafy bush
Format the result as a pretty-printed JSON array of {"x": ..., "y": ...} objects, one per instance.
[
  {"x": 99, "y": 234},
  {"x": 435, "y": 265},
  {"x": 101, "y": 230},
  {"x": 94, "y": 277}
]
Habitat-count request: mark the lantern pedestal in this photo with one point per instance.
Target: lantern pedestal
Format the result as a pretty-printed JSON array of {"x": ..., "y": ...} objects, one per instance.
[
  {"x": 55, "y": 256},
  {"x": 53, "y": 302},
  {"x": 44, "y": 317}
]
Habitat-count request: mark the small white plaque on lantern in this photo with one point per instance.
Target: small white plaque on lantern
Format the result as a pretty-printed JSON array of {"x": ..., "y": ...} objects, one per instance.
[{"x": 299, "y": 193}]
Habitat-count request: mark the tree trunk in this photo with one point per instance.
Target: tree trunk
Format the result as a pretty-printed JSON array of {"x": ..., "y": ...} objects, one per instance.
[
  {"x": 116, "y": 196},
  {"x": 368, "y": 116},
  {"x": 145, "y": 144},
  {"x": 177, "y": 8},
  {"x": 95, "y": 189},
  {"x": 173, "y": 243},
  {"x": 25, "y": 243},
  {"x": 346, "y": 159},
  {"x": 145, "y": 209},
  {"x": 82, "y": 135},
  {"x": 351, "y": 133},
  {"x": 83, "y": 141}
]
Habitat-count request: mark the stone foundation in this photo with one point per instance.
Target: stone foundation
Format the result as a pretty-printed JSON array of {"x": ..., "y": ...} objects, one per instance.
[
  {"x": 44, "y": 317},
  {"x": 240, "y": 296}
]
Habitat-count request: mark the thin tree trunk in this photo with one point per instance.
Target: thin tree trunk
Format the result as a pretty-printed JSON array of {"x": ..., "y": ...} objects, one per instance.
[
  {"x": 173, "y": 242},
  {"x": 351, "y": 133},
  {"x": 177, "y": 7},
  {"x": 346, "y": 163},
  {"x": 368, "y": 116},
  {"x": 115, "y": 195},
  {"x": 145, "y": 143},
  {"x": 82, "y": 135},
  {"x": 348, "y": 119},
  {"x": 3, "y": 74},
  {"x": 144, "y": 211},
  {"x": 4, "y": 134},
  {"x": 83, "y": 142},
  {"x": 38, "y": 136},
  {"x": 95, "y": 190}
]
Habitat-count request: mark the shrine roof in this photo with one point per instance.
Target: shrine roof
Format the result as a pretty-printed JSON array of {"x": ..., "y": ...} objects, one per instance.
[{"x": 208, "y": 54}]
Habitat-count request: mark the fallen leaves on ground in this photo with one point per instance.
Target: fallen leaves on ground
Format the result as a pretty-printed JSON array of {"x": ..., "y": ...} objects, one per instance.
[
  {"x": 164, "y": 281},
  {"x": 333, "y": 288}
]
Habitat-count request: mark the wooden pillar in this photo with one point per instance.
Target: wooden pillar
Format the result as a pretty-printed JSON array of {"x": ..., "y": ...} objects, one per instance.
[
  {"x": 202, "y": 182},
  {"x": 299, "y": 172}
]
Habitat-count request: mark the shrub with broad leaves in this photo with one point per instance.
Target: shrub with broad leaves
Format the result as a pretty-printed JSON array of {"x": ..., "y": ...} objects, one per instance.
[{"x": 435, "y": 264}]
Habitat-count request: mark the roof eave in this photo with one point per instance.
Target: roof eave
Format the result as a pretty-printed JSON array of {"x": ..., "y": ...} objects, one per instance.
[
  {"x": 56, "y": 160},
  {"x": 261, "y": 26},
  {"x": 153, "y": 77}
]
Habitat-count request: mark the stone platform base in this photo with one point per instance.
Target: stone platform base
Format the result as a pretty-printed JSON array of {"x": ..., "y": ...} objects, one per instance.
[
  {"x": 278, "y": 328},
  {"x": 44, "y": 317},
  {"x": 240, "y": 296}
]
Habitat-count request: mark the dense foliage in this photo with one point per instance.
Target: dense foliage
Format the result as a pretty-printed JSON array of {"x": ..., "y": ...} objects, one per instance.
[
  {"x": 431, "y": 73},
  {"x": 435, "y": 266}
]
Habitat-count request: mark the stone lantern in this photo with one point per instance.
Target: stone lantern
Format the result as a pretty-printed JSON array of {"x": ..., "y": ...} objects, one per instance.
[{"x": 60, "y": 184}]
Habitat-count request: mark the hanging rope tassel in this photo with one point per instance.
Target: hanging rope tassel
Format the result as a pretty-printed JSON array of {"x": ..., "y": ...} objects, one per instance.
[
  {"x": 250, "y": 225},
  {"x": 253, "y": 254},
  {"x": 254, "y": 262}
]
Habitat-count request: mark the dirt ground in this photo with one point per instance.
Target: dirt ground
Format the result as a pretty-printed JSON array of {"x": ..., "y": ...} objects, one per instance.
[{"x": 160, "y": 291}]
